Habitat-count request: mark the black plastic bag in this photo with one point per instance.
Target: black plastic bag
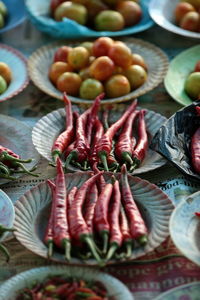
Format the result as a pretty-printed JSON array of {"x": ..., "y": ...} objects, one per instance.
[{"x": 173, "y": 139}]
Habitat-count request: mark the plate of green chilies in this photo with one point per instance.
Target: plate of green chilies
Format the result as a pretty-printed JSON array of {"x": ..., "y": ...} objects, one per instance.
[
  {"x": 93, "y": 247},
  {"x": 49, "y": 127},
  {"x": 16, "y": 150}
]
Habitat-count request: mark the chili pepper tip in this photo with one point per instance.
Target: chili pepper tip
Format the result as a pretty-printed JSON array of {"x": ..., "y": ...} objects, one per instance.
[{"x": 72, "y": 155}]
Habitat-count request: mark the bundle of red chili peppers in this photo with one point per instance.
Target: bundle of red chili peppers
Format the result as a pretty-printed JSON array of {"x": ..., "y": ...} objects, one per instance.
[
  {"x": 61, "y": 288},
  {"x": 11, "y": 163},
  {"x": 87, "y": 140},
  {"x": 100, "y": 219}
]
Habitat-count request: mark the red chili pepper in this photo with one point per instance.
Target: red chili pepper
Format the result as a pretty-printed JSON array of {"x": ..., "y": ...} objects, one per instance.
[
  {"x": 142, "y": 144},
  {"x": 197, "y": 108},
  {"x": 101, "y": 214},
  {"x": 137, "y": 226},
  {"x": 71, "y": 195},
  {"x": 101, "y": 181},
  {"x": 197, "y": 214},
  {"x": 78, "y": 226},
  {"x": 65, "y": 138},
  {"x": 61, "y": 231},
  {"x": 115, "y": 232},
  {"x": 195, "y": 150},
  {"x": 91, "y": 200},
  {"x": 80, "y": 153},
  {"x": 104, "y": 145},
  {"x": 93, "y": 117},
  {"x": 99, "y": 131},
  {"x": 127, "y": 239},
  {"x": 124, "y": 145},
  {"x": 48, "y": 238}
]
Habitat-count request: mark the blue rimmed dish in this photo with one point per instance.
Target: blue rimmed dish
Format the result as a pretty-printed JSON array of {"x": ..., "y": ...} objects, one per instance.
[
  {"x": 18, "y": 66},
  {"x": 38, "y": 12},
  {"x": 16, "y": 14}
]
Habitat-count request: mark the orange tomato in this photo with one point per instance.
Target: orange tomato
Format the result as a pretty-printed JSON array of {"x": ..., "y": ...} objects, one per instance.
[
  {"x": 117, "y": 86},
  {"x": 120, "y": 54},
  {"x": 58, "y": 68},
  {"x": 182, "y": 9},
  {"x": 69, "y": 82},
  {"x": 102, "y": 68},
  {"x": 131, "y": 12},
  {"x": 138, "y": 60},
  {"x": 5, "y": 72},
  {"x": 101, "y": 46}
]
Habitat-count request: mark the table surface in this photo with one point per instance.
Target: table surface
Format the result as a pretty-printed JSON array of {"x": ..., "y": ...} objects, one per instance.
[{"x": 151, "y": 275}]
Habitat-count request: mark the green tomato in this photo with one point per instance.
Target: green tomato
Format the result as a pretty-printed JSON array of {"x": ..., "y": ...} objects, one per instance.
[
  {"x": 91, "y": 88},
  {"x": 1, "y": 20},
  {"x": 3, "y": 9},
  {"x": 3, "y": 85},
  {"x": 192, "y": 85}
]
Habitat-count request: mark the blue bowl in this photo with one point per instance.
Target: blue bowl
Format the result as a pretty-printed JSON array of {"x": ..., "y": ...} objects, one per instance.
[
  {"x": 16, "y": 14},
  {"x": 38, "y": 12}
]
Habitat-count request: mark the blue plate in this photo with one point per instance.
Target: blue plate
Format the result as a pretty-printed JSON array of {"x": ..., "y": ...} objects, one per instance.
[
  {"x": 16, "y": 14},
  {"x": 38, "y": 11},
  {"x": 7, "y": 212},
  {"x": 185, "y": 226},
  {"x": 17, "y": 63}
]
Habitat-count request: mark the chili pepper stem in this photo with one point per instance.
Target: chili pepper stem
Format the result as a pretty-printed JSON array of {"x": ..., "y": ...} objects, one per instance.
[
  {"x": 111, "y": 251},
  {"x": 93, "y": 249},
  {"x": 10, "y": 157},
  {"x": 4, "y": 229},
  {"x": 126, "y": 156},
  {"x": 20, "y": 165},
  {"x": 105, "y": 242},
  {"x": 128, "y": 250},
  {"x": 67, "y": 246},
  {"x": 142, "y": 240},
  {"x": 103, "y": 158},
  {"x": 85, "y": 165},
  {"x": 50, "y": 249},
  {"x": 69, "y": 158},
  {"x": 5, "y": 251},
  {"x": 133, "y": 167},
  {"x": 7, "y": 177},
  {"x": 55, "y": 156}
]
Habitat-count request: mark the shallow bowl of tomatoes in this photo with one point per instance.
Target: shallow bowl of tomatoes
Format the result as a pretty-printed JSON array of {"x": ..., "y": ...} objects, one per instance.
[
  {"x": 163, "y": 13},
  {"x": 39, "y": 14},
  {"x": 54, "y": 280},
  {"x": 156, "y": 63}
]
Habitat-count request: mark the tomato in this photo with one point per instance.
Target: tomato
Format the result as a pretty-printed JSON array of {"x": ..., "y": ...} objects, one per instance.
[
  {"x": 136, "y": 76},
  {"x": 182, "y": 9},
  {"x": 120, "y": 54},
  {"x": 57, "y": 69},
  {"x": 101, "y": 46},
  {"x": 139, "y": 60},
  {"x": 73, "y": 11},
  {"x": 5, "y": 72},
  {"x": 117, "y": 86},
  {"x": 131, "y": 12},
  {"x": 109, "y": 20},
  {"x": 78, "y": 58},
  {"x": 3, "y": 85},
  {"x": 70, "y": 83},
  {"x": 91, "y": 88},
  {"x": 61, "y": 53},
  {"x": 102, "y": 68}
]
